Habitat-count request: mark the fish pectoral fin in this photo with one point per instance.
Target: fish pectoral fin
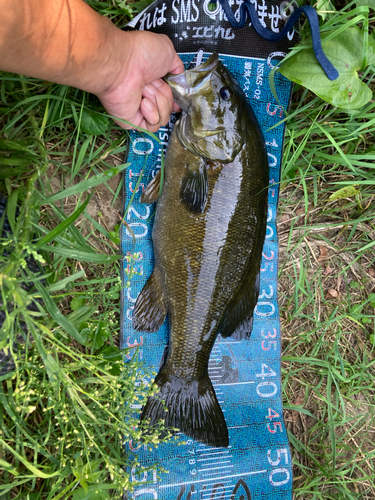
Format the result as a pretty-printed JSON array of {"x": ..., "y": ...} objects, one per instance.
[
  {"x": 150, "y": 310},
  {"x": 194, "y": 186},
  {"x": 151, "y": 193},
  {"x": 238, "y": 319}
]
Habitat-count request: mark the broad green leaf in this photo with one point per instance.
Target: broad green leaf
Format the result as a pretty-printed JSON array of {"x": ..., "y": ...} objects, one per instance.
[
  {"x": 92, "y": 182},
  {"x": 345, "y": 52},
  {"x": 93, "y": 123},
  {"x": 367, "y": 3},
  {"x": 345, "y": 192},
  {"x": 97, "y": 336},
  {"x": 371, "y": 48},
  {"x": 77, "y": 302},
  {"x": 92, "y": 494},
  {"x": 62, "y": 226}
]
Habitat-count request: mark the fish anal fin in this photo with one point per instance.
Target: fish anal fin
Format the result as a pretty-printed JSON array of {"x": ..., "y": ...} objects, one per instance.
[
  {"x": 238, "y": 319},
  {"x": 150, "y": 310},
  {"x": 194, "y": 185},
  {"x": 190, "y": 406},
  {"x": 151, "y": 193}
]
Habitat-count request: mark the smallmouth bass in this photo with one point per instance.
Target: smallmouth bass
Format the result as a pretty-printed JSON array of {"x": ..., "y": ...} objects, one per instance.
[{"x": 208, "y": 235}]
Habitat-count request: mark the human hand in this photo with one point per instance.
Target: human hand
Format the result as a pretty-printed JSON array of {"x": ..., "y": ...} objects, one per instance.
[
  {"x": 139, "y": 95},
  {"x": 67, "y": 42}
]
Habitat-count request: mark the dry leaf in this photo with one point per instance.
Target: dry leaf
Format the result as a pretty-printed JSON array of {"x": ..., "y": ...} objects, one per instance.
[
  {"x": 328, "y": 270},
  {"x": 300, "y": 211},
  {"x": 284, "y": 218},
  {"x": 323, "y": 252},
  {"x": 371, "y": 271},
  {"x": 332, "y": 294}
]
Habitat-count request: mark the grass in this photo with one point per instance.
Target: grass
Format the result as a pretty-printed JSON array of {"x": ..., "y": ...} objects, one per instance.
[
  {"x": 327, "y": 285},
  {"x": 66, "y": 406}
]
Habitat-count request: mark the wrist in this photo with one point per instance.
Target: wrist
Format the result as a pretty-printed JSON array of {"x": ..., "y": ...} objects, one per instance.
[{"x": 113, "y": 65}]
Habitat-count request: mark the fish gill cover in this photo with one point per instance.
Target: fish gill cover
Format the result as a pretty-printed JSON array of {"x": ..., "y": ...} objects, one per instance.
[{"x": 245, "y": 373}]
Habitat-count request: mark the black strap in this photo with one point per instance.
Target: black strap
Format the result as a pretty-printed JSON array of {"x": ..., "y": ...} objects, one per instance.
[{"x": 248, "y": 8}]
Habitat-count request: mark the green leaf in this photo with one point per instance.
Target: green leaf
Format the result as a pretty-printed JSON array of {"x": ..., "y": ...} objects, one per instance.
[
  {"x": 345, "y": 192},
  {"x": 81, "y": 155},
  {"x": 367, "y": 3},
  {"x": 15, "y": 146},
  {"x": 77, "y": 302},
  {"x": 5, "y": 466},
  {"x": 71, "y": 253},
  {"x": 345, "y": 51},
  {"x": 371, "y": 48},
  {"x": 60, "y": 285},
  {"x": 31, "y": 467},
  {"x": 115, "y": 237},
  {"x": 81, "y": 314},
  {"x": 62, "y": 226},
  {"x": 56, "y": 314},
  {"x": 10, "y": 172},
  {"x": 324, "y": 7},
  {"x": 98, "y": 336},
  {"x": 90, "y": 183},
  {"x": 89, "y": 470},
  {"x": 12, "y": 208},
  {"x": 93, "y": 123},
  {"x": 51, "y": 364},
  {"x": 92, "y": 494},
  {"x": 112, "y": 354}
]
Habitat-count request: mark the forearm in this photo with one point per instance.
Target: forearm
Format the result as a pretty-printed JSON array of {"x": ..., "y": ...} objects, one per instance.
[
  {"x": 63, "y": 41},
  {"x": 67, "y": 42}
]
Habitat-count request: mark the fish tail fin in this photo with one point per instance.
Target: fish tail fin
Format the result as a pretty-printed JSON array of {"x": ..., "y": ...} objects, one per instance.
[{"x": 191, "y": 407}]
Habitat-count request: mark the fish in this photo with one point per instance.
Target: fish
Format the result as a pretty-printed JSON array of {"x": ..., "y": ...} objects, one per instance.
[{"x": 208, "y": 235}]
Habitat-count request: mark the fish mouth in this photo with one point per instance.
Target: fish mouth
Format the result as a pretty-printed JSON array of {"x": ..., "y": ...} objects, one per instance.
[{"x": 191, "y": 80}]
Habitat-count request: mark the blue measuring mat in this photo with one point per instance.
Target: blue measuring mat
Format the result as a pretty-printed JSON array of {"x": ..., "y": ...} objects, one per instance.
[{"x": 245, "y": 374}]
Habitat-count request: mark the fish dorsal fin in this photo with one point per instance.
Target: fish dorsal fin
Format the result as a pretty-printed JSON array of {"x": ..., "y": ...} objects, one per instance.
[
  {"x": 194, "y": 185},
  {"x": 151, "y": 193},
  {"x": 150, "y": 309},
  {"x": 238, "y": 319}
]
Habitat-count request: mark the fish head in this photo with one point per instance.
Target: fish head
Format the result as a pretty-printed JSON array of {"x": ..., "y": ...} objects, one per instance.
[{"x": 211, "y": 123}]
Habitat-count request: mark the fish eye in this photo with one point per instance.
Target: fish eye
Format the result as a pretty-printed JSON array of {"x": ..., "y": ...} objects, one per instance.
[{"x": 225, "y": 92}]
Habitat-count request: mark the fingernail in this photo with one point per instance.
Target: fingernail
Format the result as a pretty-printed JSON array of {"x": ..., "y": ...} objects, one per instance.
[
  {"x": 148, "y": 104},
  {"x": 157, "y": 83},
  {"x": 149, "y": 89}
]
